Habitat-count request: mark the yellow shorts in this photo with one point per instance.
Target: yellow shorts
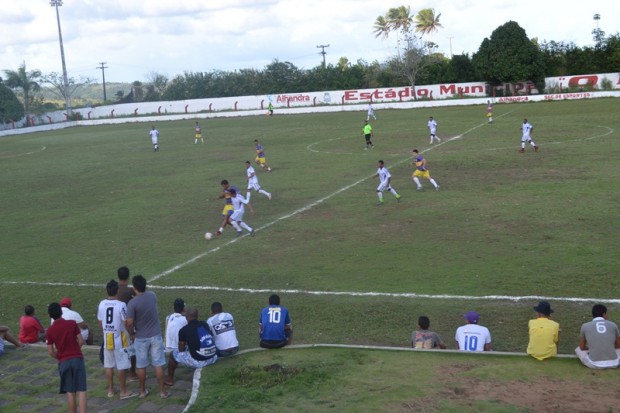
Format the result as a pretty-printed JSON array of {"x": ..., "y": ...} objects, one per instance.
[
  {"x": 198, "y": 136},
  {"x": 261, "y": 161},
  {"x": 422, "y": 174},
  {"x": 489, "y": 115},
  {"x": 228, "y": 210}
]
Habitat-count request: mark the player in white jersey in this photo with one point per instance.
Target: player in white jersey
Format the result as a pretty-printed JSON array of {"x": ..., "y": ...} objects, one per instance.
[
  {"x": 174, "y": 322},
  {"x": 112, "y": 315},
  {"x": 154, "y": 138},
  {"x": 371, "y": 112},
  {"x": 526, "y": 137},
  {"x": 432, "y": 127},
  {"x": 253, "y": 181},
  {"x": 471, "y": 336},
  {"x": 384, "y": 182},
  {"x": 236, "y": 219}
]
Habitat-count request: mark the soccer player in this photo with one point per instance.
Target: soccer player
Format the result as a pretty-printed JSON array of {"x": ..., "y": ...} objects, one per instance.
[
  {"x": 527, "y": 129},
  {"x": 489, "y": 111},
  {"x": 154, "y": 138},
  {"x": 421, "y": 171},
  {"x": 371, "y": 112},
  {"x": 236, "y": 219},
  {"x": 384, "y": 182},
  {"x": 253, "y": 181},
  {"x": 112, "y": 315},
  {"x": 260, "y": 156},
  {"x": 198, "y": 133},
  {"x": 228, "y": 206},
  {"x": 432, "y": 127},
  {"x": 270, "y": 109},
  {"x": 367, "y": 132},
  {"x": 471, "y": 336},
  {"x": 275, "y": 328}
]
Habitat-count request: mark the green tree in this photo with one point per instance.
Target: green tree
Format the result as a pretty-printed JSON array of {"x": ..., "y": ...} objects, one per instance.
[
  {"x": 11, "y": 109},
  {"x": 25, "y": 81},
  {"x": 509, "y": 56},
  {"x": 427, "y": 23}
]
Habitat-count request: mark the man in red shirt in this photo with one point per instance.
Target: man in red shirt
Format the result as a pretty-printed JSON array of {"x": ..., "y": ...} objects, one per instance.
[{"x": 64, "y": 342}]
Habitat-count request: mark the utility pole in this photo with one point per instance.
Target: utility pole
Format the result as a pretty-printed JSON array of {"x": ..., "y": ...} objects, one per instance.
[
  {"x": 323, "y": 52},
  {"x": 451, "y": 37},
  {"x": 103, "y": 67},
  {"x": 56, "y": 4}
]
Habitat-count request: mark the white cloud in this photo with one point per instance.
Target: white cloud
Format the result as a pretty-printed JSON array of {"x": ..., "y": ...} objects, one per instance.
[{"x": 136, "y": 37}]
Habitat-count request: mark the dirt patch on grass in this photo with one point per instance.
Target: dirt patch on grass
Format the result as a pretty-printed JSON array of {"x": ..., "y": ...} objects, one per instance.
[{"x": 537, "y": 395}]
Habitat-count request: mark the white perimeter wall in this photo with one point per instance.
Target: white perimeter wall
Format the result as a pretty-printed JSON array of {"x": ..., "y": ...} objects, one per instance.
[{"x": 316, "y": 102}]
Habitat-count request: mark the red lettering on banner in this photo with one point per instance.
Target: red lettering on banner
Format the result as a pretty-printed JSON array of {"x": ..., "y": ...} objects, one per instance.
[
  {"x": 583, "y": 80},
  {"x": 447, "y": 89},
  {"x": 404, "y": 93},
  {"x": 350, "y": 95},
  {"x": 390, "y": 94}
]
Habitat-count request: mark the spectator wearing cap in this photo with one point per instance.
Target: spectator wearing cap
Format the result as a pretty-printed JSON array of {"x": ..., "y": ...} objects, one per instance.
[
  {"x": 472, "y": 336},
  {"x": 70, "y": 314},
  {"x": 174, "y": 323},
  {"x": 544, "y": 333}
]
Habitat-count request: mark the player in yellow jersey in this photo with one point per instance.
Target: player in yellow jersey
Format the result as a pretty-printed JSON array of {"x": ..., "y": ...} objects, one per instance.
[
  {"x": 260, "y": 156},
  {"x": 421, "y": 171},
  {"x": 228, "y": 207},
  {"x": 198, "y": 133}
]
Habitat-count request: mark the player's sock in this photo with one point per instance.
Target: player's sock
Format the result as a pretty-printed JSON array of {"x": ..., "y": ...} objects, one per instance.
[
  {"x": 236, "y": 226},
  {"x": 262, "y": 191},
  {"x": 434, "y": 183},
  {"x": 247, "y": 195},
  {"x": 417, "y": 182},
  {"x": 246, "y": 226}
]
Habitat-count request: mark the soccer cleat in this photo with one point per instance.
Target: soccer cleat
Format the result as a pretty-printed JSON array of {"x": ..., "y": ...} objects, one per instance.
[
  {"x": 372, "y": 147},
  {"x": 535, "y": 148},
  {"x": 239, "y": 233},
  {"x": 366, "y": 148},
  {"x": 437, "y": 188},
  {"x": 398, "y": 198},
  {"x": 252, "y": 233},
  {"x": 379, "y": 203},
  {"x": 419, "y": 188},
  {"x": 269, "y": 196},
  {"x": 218, "y": 233},
  {"x": 521, "y": 150}
]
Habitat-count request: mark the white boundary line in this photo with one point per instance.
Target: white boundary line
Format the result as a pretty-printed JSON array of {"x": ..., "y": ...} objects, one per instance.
[{"x": 24, "y": 154}]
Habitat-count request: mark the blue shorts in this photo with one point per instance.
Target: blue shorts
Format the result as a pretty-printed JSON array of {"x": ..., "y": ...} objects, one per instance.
[
  {"x": 72, "y": 375},
  {"x": 149, "y": 348}
]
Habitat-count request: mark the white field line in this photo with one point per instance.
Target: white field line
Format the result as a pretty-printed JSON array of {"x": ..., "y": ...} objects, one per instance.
[
  {"x": 25, "y": 153},
  {"x": 514, "y": 298}
]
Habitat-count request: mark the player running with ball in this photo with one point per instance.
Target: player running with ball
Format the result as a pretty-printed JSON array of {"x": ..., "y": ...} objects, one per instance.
[{"x": 421, "y": 171}]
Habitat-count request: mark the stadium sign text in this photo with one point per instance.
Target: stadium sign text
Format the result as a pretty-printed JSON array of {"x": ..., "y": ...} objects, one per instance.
[{"x": 431, "y": 91}]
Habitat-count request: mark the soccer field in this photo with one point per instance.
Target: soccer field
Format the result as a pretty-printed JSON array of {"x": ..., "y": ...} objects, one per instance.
[{"x": 505, "y": 228}]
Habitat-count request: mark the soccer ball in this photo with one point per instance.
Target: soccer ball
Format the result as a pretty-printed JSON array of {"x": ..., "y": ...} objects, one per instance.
[{"x": 208, "y": 236}]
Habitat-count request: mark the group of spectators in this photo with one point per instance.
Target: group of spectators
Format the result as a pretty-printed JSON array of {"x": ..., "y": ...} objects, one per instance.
[
  {"x": 599, "y": 344},
  {"x": 133, "y": 339}
]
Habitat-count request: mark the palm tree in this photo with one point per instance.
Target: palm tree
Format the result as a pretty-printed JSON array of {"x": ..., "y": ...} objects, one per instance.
[
  {"x": 26, "y": 81},
  {"x": 400, "y": 18},
  {"x": 381, "y": 27},
  {"x": 426, "y": 22}
]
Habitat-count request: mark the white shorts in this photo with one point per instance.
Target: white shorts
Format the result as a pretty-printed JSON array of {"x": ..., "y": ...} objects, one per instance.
[
  {"x": 584, "y": 356},
  {"x": 526, "y": 138},
  {"x": 383, "y": 186},
  {"x": 237, "y": 215},
  {"x": 118, "y": 358},
  {"x": 253, "y": 185},
  {"x": 186, "y": 359}
]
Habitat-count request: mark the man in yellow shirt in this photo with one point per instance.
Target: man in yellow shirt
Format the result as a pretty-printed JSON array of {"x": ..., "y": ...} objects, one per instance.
[{"x": 544, "y": 333}]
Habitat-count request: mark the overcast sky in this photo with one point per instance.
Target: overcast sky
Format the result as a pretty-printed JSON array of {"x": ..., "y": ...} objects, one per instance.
[{"x": 138, "y": 37}]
